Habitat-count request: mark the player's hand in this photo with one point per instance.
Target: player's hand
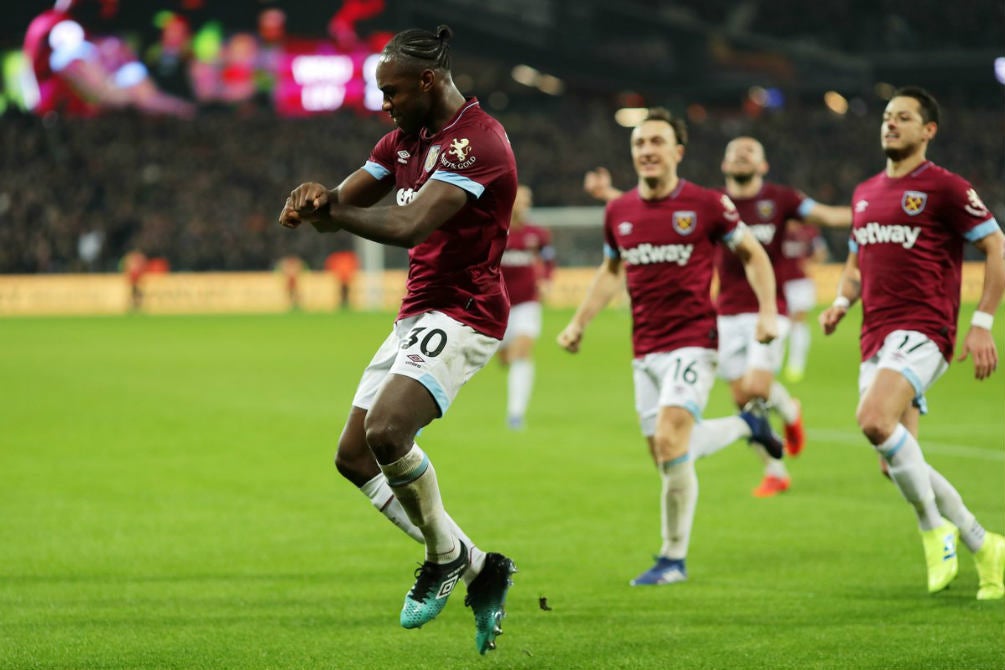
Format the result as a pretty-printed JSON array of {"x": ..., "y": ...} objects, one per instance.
[
  {"x": 830, "y": 318},
  {"x": 570, "y": 338},
  {"x": 597, "y": 183},
  {"x": 981, "y": 344},
  {"x": 288, "y": 218},
  {"x": 766, "y": 330},
  {"x": 305, "y": 203}
]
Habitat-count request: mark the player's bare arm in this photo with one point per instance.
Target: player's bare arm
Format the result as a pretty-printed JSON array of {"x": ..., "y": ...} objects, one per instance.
[
  {"x": 607, "y": 282},
  {"x": 405, "y": 225},
  {"x": 309, "y": 202},
  {"x": 848, "y": 291},
  {"x": 830, "y": 216},
  {"x": 980, "y": 340},
  {"x": 761, "y": 277}
]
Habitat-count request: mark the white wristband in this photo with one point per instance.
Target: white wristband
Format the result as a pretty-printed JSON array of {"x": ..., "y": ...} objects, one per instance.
[
  {"x": 982, "y": 320},
  {"x": 841, "y": 302}
]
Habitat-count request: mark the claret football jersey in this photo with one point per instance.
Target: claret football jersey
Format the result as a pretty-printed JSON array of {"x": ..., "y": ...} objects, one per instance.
[
  {"x": 766, "y": 215},
  {"x": 456, "y": 269},
  {"x": 528, "y": 259},
  {"x": 667, "y": 248},
  {"x": 909, "y": 234},
  {"x": 799, "y": 244}
]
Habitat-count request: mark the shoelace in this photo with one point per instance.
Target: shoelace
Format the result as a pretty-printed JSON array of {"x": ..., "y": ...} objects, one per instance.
[{"x": 426, "y": 578}]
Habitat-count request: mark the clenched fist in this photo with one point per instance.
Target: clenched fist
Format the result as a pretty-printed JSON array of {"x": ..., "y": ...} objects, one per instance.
[
  {"x": 570, "y": 338},
  {"x": 306, "y": 202}
]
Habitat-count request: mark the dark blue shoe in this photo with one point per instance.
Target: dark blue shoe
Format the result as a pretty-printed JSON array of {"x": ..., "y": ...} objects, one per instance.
[
  {"x": 755, "y": 415},
  {"x": 665, "y": 571}
]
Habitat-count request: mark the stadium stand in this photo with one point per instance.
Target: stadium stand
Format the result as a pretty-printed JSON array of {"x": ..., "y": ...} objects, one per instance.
[{"x": 205, "y": 195}]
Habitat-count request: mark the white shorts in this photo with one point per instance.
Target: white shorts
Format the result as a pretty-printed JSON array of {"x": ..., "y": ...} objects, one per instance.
[
  {"x": 911, "y": 354},
  {"x": 740, "y": 351},
  {"x": 524, "y": 319},
  {"x": 800, "y": 294},
  {"x": 681, "y": 378},
  {"x": 435, "y": 350}
]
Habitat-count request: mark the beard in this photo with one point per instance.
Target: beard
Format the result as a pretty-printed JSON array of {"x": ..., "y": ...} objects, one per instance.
[
  {"x": 652, "y": 182},
  {"x": 903, "y": 150},
  {"x": 898, "y": 154}
]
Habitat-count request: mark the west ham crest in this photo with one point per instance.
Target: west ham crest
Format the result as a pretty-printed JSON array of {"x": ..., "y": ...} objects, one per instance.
[
  {"x": 913, "y": 202},
  {"x": 685, "y": 222}
]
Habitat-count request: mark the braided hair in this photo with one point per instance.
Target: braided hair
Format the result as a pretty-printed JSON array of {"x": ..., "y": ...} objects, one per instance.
[{"x": 422, "y": 48}]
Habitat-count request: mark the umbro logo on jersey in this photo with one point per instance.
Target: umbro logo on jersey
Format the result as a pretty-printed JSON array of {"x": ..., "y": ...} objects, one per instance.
[
  {"x": 415, "y": 358},
  {"x": 861, "y": 205},
  {"x": 403, "y": 156},
  {"x": 625, "y": 228}
]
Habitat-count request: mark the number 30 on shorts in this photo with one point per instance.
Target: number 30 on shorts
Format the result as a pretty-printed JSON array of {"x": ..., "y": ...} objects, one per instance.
[{"x": 431, "y": 341}]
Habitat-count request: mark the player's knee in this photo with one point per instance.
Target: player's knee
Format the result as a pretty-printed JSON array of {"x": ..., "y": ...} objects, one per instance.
[
  {"x": 875, "y": 425},
  {"x": 755, "y": 388},
  {"x": 387, "y": 438},
  {"x": 756, "y": 383},
  {"x": 354, "y": 463},
  {"x": 346, "y": 466},
  {"x": 670, "y": 441}
]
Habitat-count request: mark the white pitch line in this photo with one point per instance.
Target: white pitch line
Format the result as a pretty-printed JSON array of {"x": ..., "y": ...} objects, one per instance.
[{"x": 960, "y": 450}]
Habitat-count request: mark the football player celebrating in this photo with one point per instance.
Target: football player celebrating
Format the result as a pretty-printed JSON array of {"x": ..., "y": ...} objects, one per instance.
[
  {"x": 905, "y": 264},
  {"x": 452, "y": 169},
  {"x": 660, "y": 238}
]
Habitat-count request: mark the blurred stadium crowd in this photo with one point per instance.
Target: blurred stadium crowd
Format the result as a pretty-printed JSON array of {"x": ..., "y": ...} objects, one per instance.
[
  {"x": 77, "y": 194},
  {"x": 861, "y": 25},
  {"x": 200, "y": 186}
]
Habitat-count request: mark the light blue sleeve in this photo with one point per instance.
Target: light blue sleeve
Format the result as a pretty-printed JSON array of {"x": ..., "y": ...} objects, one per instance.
[
  {"x": 806, "y": 206},
  {"x": 378, "y": 171},
  {"x": 981, "y": 231},
  {"x": 469, "y": 185}
]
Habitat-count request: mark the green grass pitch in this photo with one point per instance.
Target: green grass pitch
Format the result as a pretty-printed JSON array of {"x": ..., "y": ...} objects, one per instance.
[{"x": 167, "y": 500}]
